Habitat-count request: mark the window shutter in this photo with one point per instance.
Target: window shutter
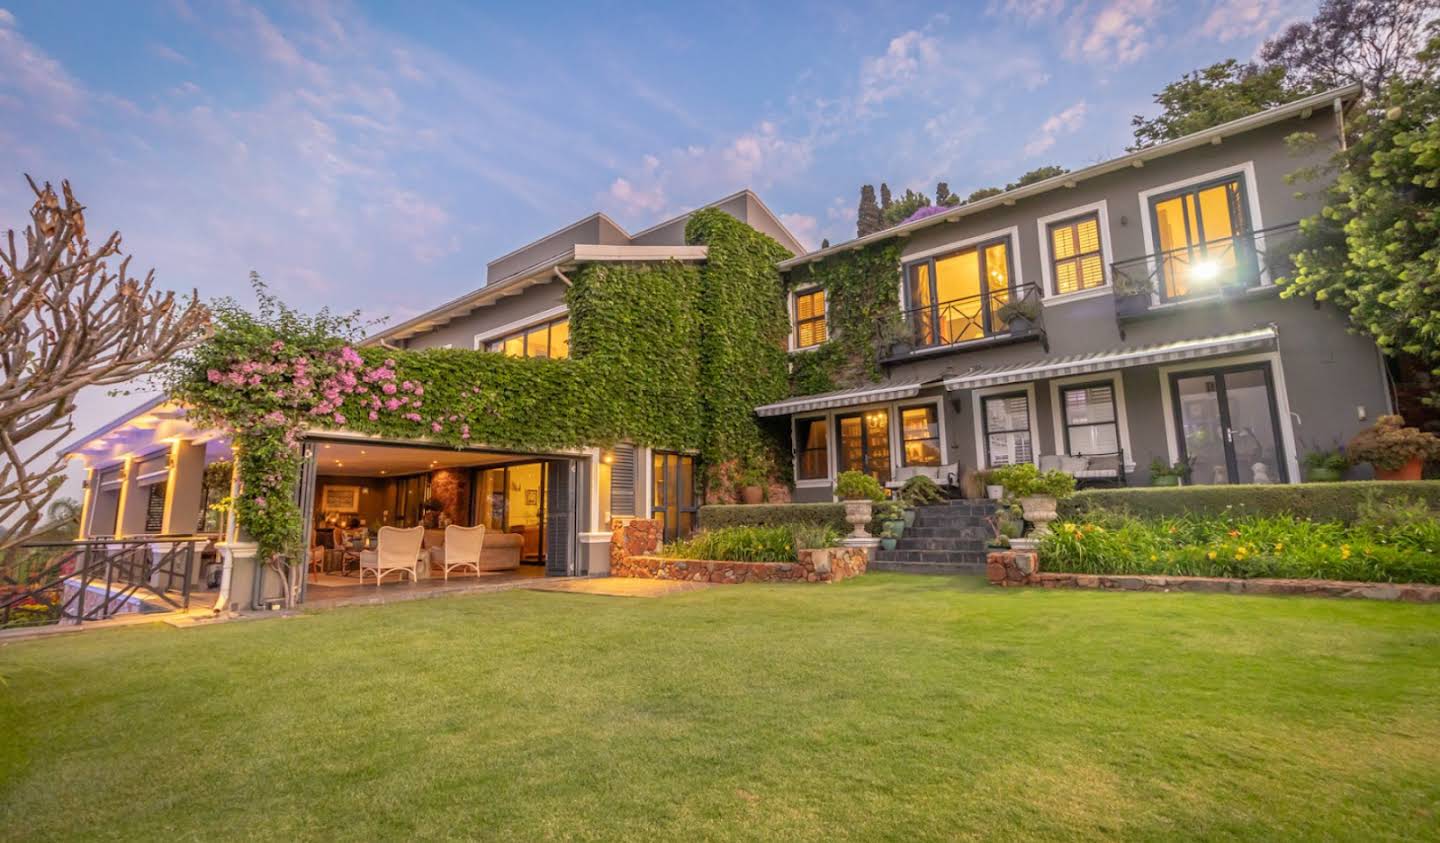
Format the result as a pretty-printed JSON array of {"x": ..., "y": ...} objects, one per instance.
[{"x": 622, "y": 481}]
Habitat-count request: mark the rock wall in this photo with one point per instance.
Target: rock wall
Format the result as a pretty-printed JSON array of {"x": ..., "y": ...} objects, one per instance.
[
  {"x": 1016, "y": 568},
  {"x": 633, "y": 544}
]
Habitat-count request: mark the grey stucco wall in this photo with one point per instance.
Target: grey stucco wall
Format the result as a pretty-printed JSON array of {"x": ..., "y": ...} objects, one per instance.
[{"x": 594, "y": 230}]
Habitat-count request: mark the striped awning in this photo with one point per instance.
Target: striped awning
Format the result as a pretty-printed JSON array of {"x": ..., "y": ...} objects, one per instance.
[
  {"x": 1115, "y": 358},
  {"x": 870, "y": 393}
]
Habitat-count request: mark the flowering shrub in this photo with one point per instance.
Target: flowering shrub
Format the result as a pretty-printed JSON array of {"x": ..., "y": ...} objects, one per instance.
[{"x": 1247, "y": 547}]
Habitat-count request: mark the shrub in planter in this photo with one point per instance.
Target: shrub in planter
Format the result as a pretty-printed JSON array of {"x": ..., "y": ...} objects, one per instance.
[
  {"x": 1036, "y": 490},
  {"x": 1397, "y": 452},
  {"x": 1326, "y": 466},
  {"x": 1167, "y": 474},
  {"x": 858, "y": 486},
  {"x": 1020, "y": 315},
  {"x": 737, "y": 544}
]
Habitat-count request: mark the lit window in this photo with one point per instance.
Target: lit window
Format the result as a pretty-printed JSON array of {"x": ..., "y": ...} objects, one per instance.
[
  {"x": 1075, "y": 255},
  {"x": 551, "y": 339},
  {"x": 810, "y": 328},
  {"x": 920, "y": 433}
]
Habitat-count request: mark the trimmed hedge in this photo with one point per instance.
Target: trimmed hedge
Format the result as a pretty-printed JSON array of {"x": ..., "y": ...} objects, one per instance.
[
  {"x": 1317, "y": 501},
  {"x": 715, "y": 516}
]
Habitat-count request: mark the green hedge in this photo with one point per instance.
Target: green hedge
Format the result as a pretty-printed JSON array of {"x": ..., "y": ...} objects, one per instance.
[
  {"x": 1318, "y": 501},
  {"x": 715, "y": 516}
]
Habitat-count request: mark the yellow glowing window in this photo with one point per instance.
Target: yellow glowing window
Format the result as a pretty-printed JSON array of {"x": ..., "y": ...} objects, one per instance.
[
  {"x": 551, "y": 339},
  {"x": 1076, "y": 256},
  {"x": 810, "y": 328},
  {"x": 920, "y": 435}
]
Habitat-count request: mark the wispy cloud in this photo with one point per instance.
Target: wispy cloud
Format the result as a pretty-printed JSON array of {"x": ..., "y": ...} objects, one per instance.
[
  {"x": 1230, "y": 20},
  {"x": 1029, "y": 11},
  {"x": 29, "y": 75},
  {"x": 1115, "y": 32},
  {"x": 1066, "y": 122}
]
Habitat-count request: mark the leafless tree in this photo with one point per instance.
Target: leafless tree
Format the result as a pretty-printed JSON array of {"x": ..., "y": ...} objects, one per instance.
[{"x": 67, "y": 321}]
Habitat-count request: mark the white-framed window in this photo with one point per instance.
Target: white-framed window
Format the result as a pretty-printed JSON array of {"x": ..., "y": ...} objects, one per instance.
[
  {"x": 809, "y": 318},
  {"x": 1090, "y": 416},
  {"x": 1075, "y": 251},
  {"x": 543, "y": 334},
  {"x": 1200, "y": 233},
  {"x": 812, "y": 448},
  {"x": 1006, "y": 431}
]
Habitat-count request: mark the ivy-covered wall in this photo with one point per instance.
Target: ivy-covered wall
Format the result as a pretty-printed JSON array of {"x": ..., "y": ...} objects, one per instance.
[
  {"x": 663, "y": 354},
  {"x": 862, "y": 291}
]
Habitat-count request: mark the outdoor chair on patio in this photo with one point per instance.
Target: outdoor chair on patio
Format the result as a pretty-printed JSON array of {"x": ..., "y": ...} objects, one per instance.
[
  {"x": 396, "y": 549},
  {"x": 462, "y": 548}
]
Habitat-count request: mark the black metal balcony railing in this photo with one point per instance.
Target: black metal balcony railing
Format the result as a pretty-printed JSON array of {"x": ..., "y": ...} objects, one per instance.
[
  {"x": 1007, "y": 312},
  {"x": 73, "y": 582},
  {"x": 1219, "y": 267}
]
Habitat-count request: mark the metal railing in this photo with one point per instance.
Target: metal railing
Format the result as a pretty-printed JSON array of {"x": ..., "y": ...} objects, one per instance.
[
  {"x": 971, "y": 318},
  {"x": 73, "y": 582},
  {"x": 1204, "y": 270}
]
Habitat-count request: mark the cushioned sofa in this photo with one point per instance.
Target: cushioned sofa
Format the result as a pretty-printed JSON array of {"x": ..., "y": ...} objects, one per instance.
[{"x": 500, "y": 551}]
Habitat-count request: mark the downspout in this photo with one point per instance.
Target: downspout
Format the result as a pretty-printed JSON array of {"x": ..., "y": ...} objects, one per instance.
[
  {"x": 563, "y": 277},
  {"x": 1340, "y": 123}
]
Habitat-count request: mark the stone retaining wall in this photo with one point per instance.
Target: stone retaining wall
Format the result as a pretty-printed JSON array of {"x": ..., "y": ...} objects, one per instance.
[
  {"x": 1017, "y": 568},
  {"x": 633, "y": 544}
]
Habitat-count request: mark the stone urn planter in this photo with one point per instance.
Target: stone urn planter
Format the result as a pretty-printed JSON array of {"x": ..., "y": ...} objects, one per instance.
[
  {"x": 857, "y": 515},
  {"x": 1040, "y": 511}
]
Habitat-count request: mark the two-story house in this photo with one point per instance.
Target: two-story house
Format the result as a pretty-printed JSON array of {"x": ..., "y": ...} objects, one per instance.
[{"x": 1156, "y": 329}]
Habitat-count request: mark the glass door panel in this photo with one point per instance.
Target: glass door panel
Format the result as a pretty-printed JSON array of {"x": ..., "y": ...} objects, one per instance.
[
  {"x": 1201, "y": 236},
  {"x": 922, "y": 306},
  {"x": 1253, "y": 436},
  {"x": 672, "y": 500},
  {"x": 526, "y": 509},
  {"x": 1202, "y": 429},
  {"x": 997, "y": 279},
  {"x": 865, "y": 443},
  {"x": 958, "y": 295}
]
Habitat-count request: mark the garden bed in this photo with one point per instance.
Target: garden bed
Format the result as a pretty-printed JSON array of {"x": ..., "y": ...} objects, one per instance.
[
  {"x": 733, "y": 555},
  {"x": 1017, "y": 568},
  {"x": 829, "y": 565}
]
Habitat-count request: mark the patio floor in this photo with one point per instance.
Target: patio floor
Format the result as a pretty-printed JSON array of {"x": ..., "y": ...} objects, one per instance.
[{"x": 328, "y": 594}]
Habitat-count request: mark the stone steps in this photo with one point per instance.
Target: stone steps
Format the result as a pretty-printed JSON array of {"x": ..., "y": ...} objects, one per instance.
[
  {"x": 945, "y": 568},
  {"x": 946, "y": 538}
]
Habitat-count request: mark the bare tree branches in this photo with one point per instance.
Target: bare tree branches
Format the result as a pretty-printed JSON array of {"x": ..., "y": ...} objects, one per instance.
[{"x": 67, "y": 321}]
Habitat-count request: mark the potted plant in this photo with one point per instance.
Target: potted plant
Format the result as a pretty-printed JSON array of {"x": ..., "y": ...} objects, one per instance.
[
  {"x": 752, "y": 485},
  {"x": 919, "y": 491},
  {"x": 1397, "y": 452},
  {"x": 1163, "y": 474},
  {"x": 888, "y": 539},
  {"x": 1132, "y": 295},
  {"x": 1037, "y": 492},
  {"x": 1326, "y": 466},
  {"x": 860, "y": 492},
  {"x": 1020, "y": 314},
  {"x": 994, "y": 491}
]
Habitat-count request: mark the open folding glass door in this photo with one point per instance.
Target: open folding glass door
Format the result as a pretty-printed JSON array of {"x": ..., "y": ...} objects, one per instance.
[
  {"x": 305, "y": 498},
  {"x": 562, "y": 488}
]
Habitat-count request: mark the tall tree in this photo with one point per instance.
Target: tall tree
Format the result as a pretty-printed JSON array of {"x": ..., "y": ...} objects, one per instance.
[
  {"x": 1366, "y": 41},
  {"x": 867, "y": 216},
  {"x": 1049, "y": 171},
  {"x": 983, "y": 193},
  {"x": 1210, "y": 96},
  {"x": 1374, "y": 250},
  {"x": 68, "y": 321},
  {"x": 943, "y": 196},
  {"x": 901, "y": 209},
  {"x": 885, "y": 202}
]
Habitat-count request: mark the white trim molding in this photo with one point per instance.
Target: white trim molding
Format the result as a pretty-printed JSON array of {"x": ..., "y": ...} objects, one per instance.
[
  {"x": 794, "y": 319},
  {"x": 1042, "y": 227},
  {"x": 520, "y": 325},
  {"x": 1122, "y": 419},
  {"x": 977, "y": 408},
  {"x": 1282, "y": 403}
]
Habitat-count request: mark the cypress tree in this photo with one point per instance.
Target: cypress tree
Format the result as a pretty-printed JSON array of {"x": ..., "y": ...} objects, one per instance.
[
  {"x": 884, "y": 197},
  {"x": 943, "y": 195},
  {"x": 867, "y": 217}
]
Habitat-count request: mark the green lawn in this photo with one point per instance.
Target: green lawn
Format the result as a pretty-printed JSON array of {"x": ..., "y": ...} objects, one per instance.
[{"x": 886, "y": 707}]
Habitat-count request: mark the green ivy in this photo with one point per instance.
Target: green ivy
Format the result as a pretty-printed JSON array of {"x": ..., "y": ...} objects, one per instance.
[
  {"x": 862, "y": 290},
  {"x": 666, "y": 355}
]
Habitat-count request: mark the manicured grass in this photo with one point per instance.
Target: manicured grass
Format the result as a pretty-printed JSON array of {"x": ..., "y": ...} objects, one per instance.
[{"x": 887, "y": 707}]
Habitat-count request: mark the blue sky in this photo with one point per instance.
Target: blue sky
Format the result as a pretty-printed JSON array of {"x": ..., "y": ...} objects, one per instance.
[{"x": 377, "y": 155}]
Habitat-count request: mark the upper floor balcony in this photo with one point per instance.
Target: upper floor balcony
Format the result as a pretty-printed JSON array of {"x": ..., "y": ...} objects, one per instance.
[
  {"x": 991, "y": 317},
  {"x": 1209, "y": 271}
]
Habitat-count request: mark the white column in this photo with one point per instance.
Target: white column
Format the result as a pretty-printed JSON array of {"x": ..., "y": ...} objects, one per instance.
[
  {"x": 132, "y": 503},
  {"x": 184, "y": 488}
]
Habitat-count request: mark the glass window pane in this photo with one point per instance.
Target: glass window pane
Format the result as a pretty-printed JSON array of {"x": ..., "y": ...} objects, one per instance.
[
  {"x": 810, "y": 441},
  {"x": 686, "y": 484},
  {"x": 1087, "y": 231},
  {"x": 515, "y": 346},
  {"x": 922, "y": 317},
  {"x": 560, "y": 339},
  {"x": 1062, "y": 241},
  {"x": 877, "y": 458},
  {"x": 957, "y": 291},
  {"x": 852, "y": 444},
  {"x": 537, "y": 342},
  {"x": 1215, "y": 211}
]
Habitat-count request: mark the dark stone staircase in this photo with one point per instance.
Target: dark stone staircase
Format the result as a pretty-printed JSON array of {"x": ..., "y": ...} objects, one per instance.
[{"x": 947, "y": 538}]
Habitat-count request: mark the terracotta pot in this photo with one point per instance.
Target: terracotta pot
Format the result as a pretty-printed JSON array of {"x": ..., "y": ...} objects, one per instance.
[
  {"x": 752, "y": 495},
  {"x": 1409, "y": 471}
]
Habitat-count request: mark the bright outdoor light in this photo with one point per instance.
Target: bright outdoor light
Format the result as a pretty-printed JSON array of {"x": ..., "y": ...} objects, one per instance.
[{"x": 1205, "y": 271}]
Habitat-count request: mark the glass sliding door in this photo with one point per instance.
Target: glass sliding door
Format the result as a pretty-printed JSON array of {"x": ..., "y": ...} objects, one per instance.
[
  {"x": 512, "y": 500},
  {"x": 864, "y": 443},
  {"x": 673, "y": 499},
  {"x": 1229, "y": 425},
  {"x": 1202, "y": 237}
]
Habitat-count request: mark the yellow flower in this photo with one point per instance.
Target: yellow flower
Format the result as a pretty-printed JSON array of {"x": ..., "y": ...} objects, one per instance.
[
  {"x": 1154, "y": 558},
  {"x": 1068, "y": 527},
  {"x": 1344, "y": 551},
  {"x": 1211, "y": 554},
  {"x": 1279, "y": 546}
]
